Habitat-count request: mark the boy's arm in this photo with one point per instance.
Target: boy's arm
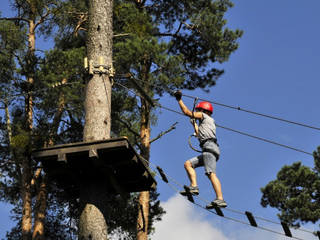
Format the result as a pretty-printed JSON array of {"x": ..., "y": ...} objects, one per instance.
[
  {"x": 195, "y": 126},
  {"x": 184, "y": 108}
]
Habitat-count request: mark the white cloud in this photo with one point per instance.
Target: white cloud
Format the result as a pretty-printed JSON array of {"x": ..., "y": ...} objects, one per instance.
[{"x": 182, "y": 221}]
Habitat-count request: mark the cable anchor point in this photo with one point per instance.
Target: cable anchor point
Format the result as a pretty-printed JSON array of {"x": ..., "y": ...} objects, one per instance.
[{"x": 100, "y": 68}]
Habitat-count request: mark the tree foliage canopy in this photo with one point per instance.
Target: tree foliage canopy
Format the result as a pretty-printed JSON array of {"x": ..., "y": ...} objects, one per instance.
[
  {"x": 295, "y": 192},
  {"x": 180, "y": 41},
  {"x": 164, "y": 43}
]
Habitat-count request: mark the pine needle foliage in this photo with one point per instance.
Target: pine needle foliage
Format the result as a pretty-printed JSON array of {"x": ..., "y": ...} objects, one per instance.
[
  {"x": 165, "y": 44},
  {"x": 295, "y": 193}
]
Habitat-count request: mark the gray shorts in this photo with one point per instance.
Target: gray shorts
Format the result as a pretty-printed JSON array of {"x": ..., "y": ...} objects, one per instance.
[{"x": 208, "y": 158}]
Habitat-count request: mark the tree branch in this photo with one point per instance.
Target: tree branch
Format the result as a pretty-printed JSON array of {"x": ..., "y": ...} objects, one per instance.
[
  {"x": 122, "y": 35},
  {"x": 165, "y": 34},
  {"x": 192, "y": 27},
  {"x": 3, "y": 165},
  {"x": 81, "y": 19},
  {"x": 43, "y": 18},
  {"x": 129, "y": 127},
  {"x": 178, "y": 30},
  {"x": 163, "y": 133},
  {"x": 189, "y": 26},
  {"x": 15, "y": 19},
  {"x": 171, "y": 34},
  {"x": 135, "y": 134},
  {"x": 19, "y": 60}
]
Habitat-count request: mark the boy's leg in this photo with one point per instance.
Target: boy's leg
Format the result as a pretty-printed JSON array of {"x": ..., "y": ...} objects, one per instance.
[
  {"x": 210, "y": 166},
  {"x": 190, "y": 166},
  {"x": 216, "y": 185},
  {"x": 219, "y": 201},
  {"x": 191, "y": 173}
]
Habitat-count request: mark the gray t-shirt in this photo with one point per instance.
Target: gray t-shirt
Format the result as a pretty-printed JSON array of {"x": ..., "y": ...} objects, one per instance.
[{"x": 207, "y": 128}]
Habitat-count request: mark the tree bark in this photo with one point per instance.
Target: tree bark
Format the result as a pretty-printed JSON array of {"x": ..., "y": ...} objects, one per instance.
[
  {"x": 144, "y": 197},
  {"x": 145, "y": 112},
  {"x": 8, "y": 121},
  {"x": 38, "y": 231},
  {"x": 92, "y": 224},
  {"x": 57, "y": 117},
  {"x": 26, "y": 162},
  {"x": 26, "y": 199},
  {"x": 98, "y": 91},
  {"x": 143, "y": 216},
  {"x": 41, "y": 202}
]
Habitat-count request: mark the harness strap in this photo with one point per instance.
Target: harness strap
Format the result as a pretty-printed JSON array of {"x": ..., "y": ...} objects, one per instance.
[{"x": 208, "y": 139}]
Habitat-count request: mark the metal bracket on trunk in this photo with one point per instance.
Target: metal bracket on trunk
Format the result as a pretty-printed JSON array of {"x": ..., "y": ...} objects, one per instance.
[{"x": 99, "y": 68}]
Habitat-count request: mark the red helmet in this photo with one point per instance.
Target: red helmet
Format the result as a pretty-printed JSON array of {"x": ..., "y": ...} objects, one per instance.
[{"x": 205, "y": 106}]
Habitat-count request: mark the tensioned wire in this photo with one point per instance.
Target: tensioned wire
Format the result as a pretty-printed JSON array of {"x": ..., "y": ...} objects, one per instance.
[
  {"x": 119, "y": 76},
  {"x": 245, "y": 134},
  {"x": 218, "y": 125},
  {"x": 180, "y": 186},
  {"x": 262, "y": 139},
  {"x": 253, "y": 112},
  {"x": 249, "y": 135},
  {"x": 233, "y": 130},
  {"x": 204, "y": 200},
  {"x": 236, "y": 108},
  {"x": 202, "y": 99}
]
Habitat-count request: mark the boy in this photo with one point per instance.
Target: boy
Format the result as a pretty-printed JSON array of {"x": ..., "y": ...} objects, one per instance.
[{"x": 206, "y": 133}]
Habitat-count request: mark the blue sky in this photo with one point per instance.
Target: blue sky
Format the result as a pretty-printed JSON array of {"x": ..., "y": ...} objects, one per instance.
[{"x": 275, "y": 71}]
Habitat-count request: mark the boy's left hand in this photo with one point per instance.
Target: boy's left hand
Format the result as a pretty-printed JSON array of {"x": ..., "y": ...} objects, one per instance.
[{"x": 178, "y": 95}]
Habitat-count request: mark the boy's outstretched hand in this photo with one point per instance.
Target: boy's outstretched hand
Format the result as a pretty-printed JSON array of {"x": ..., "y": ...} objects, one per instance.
[{"x": 178, "y": 95}]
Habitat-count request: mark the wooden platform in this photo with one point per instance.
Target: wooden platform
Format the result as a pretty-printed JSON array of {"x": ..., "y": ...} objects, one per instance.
[{"x": 113, "y": 162}]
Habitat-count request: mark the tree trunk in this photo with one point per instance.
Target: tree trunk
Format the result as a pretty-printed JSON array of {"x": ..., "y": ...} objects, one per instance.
[
  {"x": 92, "y": 224},
  {"x": 41, "y": 204},
  {"x": 145, "y": 112},
  {"x": 26, "y": 162},
  {"x": 98, "y": 91},
  {"x": 8, "y": 122},
  {"x": 143, "y": 216},
  {"x": 57, "y": 117},
  {"x": 38, "y": 231},
  {"x": 26, "y": 199},
  {"x": 144, "y": 197}
]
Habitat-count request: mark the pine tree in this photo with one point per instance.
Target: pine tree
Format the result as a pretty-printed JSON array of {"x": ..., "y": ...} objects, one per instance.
[
  {"x": 21, "y": 173},
  {"x": 295, "y": 193},
  {"x": 168, "y": 45},
  {"x": 163, "y": 44}
]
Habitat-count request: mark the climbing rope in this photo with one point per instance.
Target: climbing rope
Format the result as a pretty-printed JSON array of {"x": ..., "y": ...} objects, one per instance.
[{"x": 190, "y": 144}]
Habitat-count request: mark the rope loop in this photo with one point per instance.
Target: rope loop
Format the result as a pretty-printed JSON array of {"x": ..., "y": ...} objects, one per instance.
[{"x": 189, "y": 141}]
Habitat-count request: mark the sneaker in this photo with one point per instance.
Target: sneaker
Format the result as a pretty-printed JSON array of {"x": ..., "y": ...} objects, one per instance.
[
  {"x": 192, "y": 190},
  {"x": 217, "y": 203}
]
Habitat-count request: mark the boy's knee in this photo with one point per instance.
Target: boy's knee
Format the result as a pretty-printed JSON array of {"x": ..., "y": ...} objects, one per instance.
[
  {"x": 210, "y": 174},
  {"x": 187, "y": 164}
]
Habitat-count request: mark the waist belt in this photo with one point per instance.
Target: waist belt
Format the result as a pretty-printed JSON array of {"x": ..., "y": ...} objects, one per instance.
[
  {"x": 213, "y": 140},
  {"x": 208, "y": 139}
]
